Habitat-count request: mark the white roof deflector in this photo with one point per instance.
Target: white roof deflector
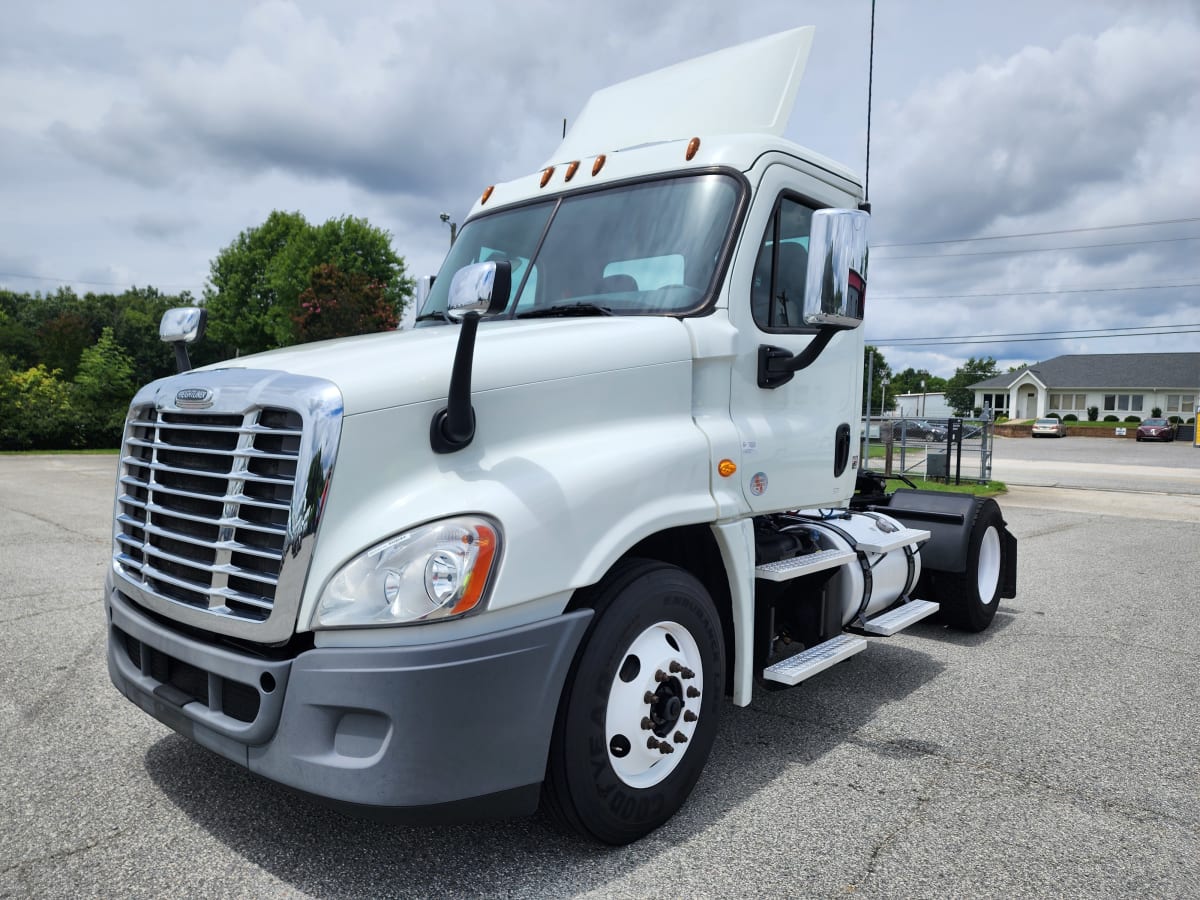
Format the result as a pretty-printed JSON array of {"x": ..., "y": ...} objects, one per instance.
[{"x": 749, "y": 88}]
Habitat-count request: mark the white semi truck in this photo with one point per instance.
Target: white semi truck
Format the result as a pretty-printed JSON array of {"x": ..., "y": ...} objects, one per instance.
[{"x": 526, "y": 550}]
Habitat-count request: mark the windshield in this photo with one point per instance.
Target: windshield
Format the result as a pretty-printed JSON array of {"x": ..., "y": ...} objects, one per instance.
[{"x": 648, "y": 248}]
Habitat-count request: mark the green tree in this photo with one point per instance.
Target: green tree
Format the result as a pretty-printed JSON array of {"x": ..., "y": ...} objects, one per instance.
[
  {"x": 35, "y": 409},
  {"x": 909, "y": 382},
  {"x": 255, "y": 283},
  {"x": 103, "y": 388},
  {"x": 879, "y": 369},
  {"x": 959, "y": 395}
]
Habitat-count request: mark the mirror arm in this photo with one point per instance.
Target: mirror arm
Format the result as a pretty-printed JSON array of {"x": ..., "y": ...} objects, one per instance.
[
  {"x": 776, "y": 366},
  {"x": 182, "y": 362},
  {"x": 453, "y": 426}
]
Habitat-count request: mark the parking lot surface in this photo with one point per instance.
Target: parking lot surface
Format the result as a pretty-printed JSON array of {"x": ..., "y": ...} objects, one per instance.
[{"x": 1057, "y": 754}]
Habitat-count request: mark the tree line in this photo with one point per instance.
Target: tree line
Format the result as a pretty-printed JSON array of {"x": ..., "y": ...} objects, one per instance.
[
  {"x": 957, "y": 388},
  {"x": 70, "y": 364}
]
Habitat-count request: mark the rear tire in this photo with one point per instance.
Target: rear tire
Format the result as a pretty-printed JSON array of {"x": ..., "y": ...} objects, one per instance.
[
  {"x": 653, "y": 656},
  {"x": 969, "y": 599}
]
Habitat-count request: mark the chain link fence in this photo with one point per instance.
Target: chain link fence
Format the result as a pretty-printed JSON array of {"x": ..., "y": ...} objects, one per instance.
[{"x": 955, "y": 450}]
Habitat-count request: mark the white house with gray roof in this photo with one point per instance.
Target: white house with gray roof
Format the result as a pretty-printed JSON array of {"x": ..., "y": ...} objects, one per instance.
[{"x": 1119, "y": 384}]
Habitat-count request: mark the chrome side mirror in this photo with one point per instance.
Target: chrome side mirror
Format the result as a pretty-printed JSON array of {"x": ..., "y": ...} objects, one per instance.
[
  {"x": 836, "y": 283},
  {"x": 481, "y": 288},
  {"x": 180, "y": 326}
]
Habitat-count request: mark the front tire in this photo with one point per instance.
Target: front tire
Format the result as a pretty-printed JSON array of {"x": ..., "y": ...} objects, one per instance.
[
  {"x": 969, "y": 599},
  {"x": 649, "y": 675}
]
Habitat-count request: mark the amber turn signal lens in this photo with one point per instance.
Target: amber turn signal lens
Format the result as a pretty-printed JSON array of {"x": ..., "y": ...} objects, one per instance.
[
  {"x": 487, "y": 192},
  {"x": 726, "y": 467},
  {"x": 571, "y": 170},
  {"x": 693, "y": 146},
  {"x": 546, "y": 173},
  {"x": 598, "y": 164}
]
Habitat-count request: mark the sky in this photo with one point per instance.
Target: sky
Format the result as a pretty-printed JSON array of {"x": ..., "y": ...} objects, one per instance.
[{"x": 139, "y": 138}]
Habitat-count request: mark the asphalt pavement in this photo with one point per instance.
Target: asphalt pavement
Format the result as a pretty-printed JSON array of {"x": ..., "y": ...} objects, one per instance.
[{"x": 1057, "y": 754}]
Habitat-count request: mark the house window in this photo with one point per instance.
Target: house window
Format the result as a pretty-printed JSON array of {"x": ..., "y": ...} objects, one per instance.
[
  {"x": 1068, "y": 402},
  {"x": 1123, "y": 402},
  {"x": 998, "y": 402},
  {"x": 1181, "y": 403}
]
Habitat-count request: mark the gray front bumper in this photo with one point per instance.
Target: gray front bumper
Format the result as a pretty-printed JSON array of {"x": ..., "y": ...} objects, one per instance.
[{"x": 434, "y": 732}]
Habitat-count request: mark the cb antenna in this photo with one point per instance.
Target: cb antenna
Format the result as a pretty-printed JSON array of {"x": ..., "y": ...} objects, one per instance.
[{"x": 870, "y": 79}]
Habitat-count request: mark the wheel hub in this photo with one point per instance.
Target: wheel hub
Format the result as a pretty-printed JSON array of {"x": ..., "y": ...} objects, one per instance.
[{"x": 654, "y": 704}]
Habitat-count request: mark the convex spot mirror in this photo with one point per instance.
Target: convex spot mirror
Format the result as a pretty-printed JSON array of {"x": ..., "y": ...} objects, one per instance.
[
  {"x": 836, "y": 283},
  {"x": 184, "y": 323},
  {"x": 481, "y": 288}
]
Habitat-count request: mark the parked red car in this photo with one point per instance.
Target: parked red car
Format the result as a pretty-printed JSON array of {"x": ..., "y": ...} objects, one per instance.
[{"x": 1156, "y": 430}]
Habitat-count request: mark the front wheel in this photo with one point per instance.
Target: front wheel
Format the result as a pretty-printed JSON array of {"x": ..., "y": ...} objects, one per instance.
[{"x": 638, "y": 715}]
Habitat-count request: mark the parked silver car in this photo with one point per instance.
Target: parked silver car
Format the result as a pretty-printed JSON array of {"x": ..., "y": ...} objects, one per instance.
[{"x": 1048, "y": 428}]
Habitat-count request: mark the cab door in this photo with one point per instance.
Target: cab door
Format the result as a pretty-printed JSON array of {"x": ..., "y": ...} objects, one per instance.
[{"x": 800, "y": 439}]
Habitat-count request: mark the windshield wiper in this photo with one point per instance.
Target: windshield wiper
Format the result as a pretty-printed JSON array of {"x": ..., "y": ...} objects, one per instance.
[{"x": 567, "y": 309}]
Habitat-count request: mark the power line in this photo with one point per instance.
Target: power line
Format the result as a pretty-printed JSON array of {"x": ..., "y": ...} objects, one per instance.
[
  {"x": 1063, "y": 332},
  {"x": 941, "y": 342},
  {"x": 120, "y": 284},
  {"x": 1098, "y": 290},
  {"x": 1038, "y": 249},
  {"x": 1001, "y": 237}
]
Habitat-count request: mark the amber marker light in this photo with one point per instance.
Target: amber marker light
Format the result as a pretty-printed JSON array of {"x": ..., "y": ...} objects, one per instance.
[
  {"x": 487, "y": 192},
  {"x": 598, "y": 164},
  {"x": 546, "y": 173},
  {"x": 477, "y": 580},
  {"x": 726, "y": 467},
  {"x": 693, "y": 146},
  {"x": 571, "y": 170}
]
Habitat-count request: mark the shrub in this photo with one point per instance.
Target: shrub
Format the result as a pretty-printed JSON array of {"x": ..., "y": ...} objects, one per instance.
[
  {"x": 1000, "y": 420},
  {"x": 1070, "y": 417},
  {"x": 1094, "y": 413},
  {"x": 1135, "y": 419},
  {"x": 978, "y": 411},
  {"x": 1053, "y": 416},
  {"x": 1191, "y": 420},
  {"x": 1156, "y": 413},
  {"x": 35, "y": 410},
  {"x": 1111, "y": 419},
  {"x": 1175, "y": 420}
]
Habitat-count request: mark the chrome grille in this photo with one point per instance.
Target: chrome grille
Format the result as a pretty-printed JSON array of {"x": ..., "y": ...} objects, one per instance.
[{"x": 204, "y": 503}]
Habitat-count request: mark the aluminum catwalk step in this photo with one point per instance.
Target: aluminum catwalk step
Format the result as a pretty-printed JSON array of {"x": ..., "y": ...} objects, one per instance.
[
  {"x": 808, "y": 663},
  {"x": 900, "y": 618},
  {"x": 787, "y": 569}
]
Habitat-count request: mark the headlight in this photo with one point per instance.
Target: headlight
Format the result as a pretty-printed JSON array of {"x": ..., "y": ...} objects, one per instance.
[{"x": 432, "y": 572}]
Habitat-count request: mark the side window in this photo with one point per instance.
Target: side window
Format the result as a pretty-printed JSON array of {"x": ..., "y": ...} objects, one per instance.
[{"x": 777, "y": 295}]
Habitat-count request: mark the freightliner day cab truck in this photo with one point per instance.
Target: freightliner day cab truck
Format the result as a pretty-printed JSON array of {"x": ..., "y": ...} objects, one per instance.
[{"x": 526, "y": 550}]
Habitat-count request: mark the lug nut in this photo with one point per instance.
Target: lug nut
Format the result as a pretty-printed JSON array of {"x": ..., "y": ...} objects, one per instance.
[
  {"x": 647, "y": 725},
  {"x": 675, "y": 666},
  {"x": 680, "y": 738},
  {"x": 692, "y": 692},
  {"x": 652, "y": 743},
  {"x": 689, "y": 716},
  {"x": 661, "y": 676},
  {"x": 648, "y": 697},
  {"x": 688, "y": 673},
  {"x": 665, "y": 748}
]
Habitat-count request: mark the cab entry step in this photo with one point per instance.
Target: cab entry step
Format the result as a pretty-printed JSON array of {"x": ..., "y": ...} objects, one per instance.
[
  {"x": 900, "y": 618},
  {"x": 787, "y": 569},
  {"x": 795, "y": 669}
]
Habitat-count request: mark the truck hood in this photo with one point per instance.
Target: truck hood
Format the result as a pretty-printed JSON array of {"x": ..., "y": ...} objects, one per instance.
[{"x": 401, "y": 367}]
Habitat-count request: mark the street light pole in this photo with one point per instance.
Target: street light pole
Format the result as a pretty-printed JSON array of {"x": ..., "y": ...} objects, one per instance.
[
  {"x": 445, "y": 217},
  {"x": 922, "y": 398},
  {"x": 883, "y": 400}
]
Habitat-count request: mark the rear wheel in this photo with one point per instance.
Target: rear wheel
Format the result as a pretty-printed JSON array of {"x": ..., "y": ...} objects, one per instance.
[
  {"x": 638, "y": 715},
  {"x": 969, "y": 599}
]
